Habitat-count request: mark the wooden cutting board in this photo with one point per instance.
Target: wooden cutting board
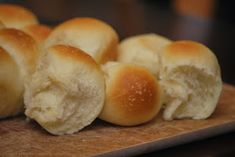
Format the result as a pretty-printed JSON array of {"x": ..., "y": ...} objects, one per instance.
[{"x": 21, "y": 138}]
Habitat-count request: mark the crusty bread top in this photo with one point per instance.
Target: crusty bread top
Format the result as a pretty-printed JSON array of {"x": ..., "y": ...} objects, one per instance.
[
  {"x": 85, "y": 23},
  {"x": 93, "y": 36},
  {"x": 138, "y": 88},
  {"x": 70, "y": 53},
  {"x": 149, "y": 41},
  {"x": 14, "y": 16},
  {"x": 132, "y": 94},
  {"x": 38, "y": 32},
  {"x": 190, "y": 53},
  {"x": 21, "y": 47},
  {"x": 4, "y": 56}
]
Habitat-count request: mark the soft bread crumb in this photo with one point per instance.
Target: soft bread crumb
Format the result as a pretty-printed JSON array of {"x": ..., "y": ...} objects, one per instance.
[
  {"x": 190, "y": 77},
  {"x": 66, "y": 92},
  {"x": 143, "y": 50}
]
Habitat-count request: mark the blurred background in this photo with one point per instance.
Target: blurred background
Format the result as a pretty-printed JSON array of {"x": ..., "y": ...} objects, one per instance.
[{"x": 211, "y": 22}]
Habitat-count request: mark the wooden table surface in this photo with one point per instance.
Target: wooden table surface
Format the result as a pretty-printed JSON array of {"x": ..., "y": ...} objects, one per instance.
[{"x": 136, "y": 17}]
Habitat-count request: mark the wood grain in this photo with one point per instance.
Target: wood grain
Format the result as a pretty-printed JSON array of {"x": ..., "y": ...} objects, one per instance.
[{"x": 21, "y": 138}]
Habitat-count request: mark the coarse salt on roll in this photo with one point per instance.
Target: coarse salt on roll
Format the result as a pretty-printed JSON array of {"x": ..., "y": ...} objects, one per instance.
[{"x": 133, "y": 95}]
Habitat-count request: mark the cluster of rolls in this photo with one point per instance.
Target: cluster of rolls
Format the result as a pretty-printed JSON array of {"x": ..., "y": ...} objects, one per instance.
[{"x": 66, "y": 77}]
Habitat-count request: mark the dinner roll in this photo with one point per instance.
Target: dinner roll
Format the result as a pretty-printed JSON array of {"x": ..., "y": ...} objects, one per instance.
[
  {"x": 133, "y": 94},
  {"x": 18, "y": 59},
  {"x": 143, "y": 50},
  {"x": 66, "y": 92},
  {"x": 191, "y": 79},
  {"x": 15, "y": 16},
  {"x": 39, "y": 32},
  {"x": 93, "y": 36}
]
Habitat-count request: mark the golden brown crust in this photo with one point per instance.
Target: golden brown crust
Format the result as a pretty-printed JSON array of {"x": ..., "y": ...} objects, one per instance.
[
  {"x": 21, "y": 43},
  {"x": 4, "y": 56},
  {"x": 38, "y": 32},
  {"x": 15, "y": 16},
  {"x": 137, "y": 88},
  {"x": 132, "y": 95},
  {"x": 84, "y": 23},
  {"x": 111, "y": 52},
  {"x": 72, "y": 53},
  {"x": 19, "y": 38},
  {"x": 180, "y": 48},
  {"x": 189, "y": 53}
]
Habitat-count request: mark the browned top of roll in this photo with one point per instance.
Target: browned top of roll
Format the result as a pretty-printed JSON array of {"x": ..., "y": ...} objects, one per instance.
[
  {"x": 21, "y": 47},
  {"x": 38, "y": 31},
  {"x": 137, "y": 88},
  {"x": 133, "y": 95},
  {"x": 15, "y": 16},
  {"x": 73, "y": 54}
]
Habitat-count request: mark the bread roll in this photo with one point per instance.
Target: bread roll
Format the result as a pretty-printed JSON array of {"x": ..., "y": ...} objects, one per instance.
[
  {"x": 191, "y": 79},
  {"x": 143, "y": 50},
  {"x": 93, "y": 36},
  {"x": 133, "y": 95},
  {"x": 11, "y": 86},
  {"x": 66, "y": 92},
  {"x": 18, "y": 59},
  {"x": 14, "y": 16},
  {"x": 39, "y": 32}
]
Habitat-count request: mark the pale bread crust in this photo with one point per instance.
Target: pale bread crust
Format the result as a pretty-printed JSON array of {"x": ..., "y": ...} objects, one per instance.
[
  {"x": 143, "y": 50},
  {"x": 93, "y": 36}
]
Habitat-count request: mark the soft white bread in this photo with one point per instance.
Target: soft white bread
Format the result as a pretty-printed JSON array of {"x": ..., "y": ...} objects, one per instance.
[
  {"x": 143, "y": 50},
  {"x": 15, "y": 16},
  {"x": 191, "y": 79},
  {"x": 38, "y": 32},
  {"x": 18, "y": 59},
  {"x": 67, "y": 90},
  {"x": 133, "y": 95},
  {"x": 93, "y": 36}
]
